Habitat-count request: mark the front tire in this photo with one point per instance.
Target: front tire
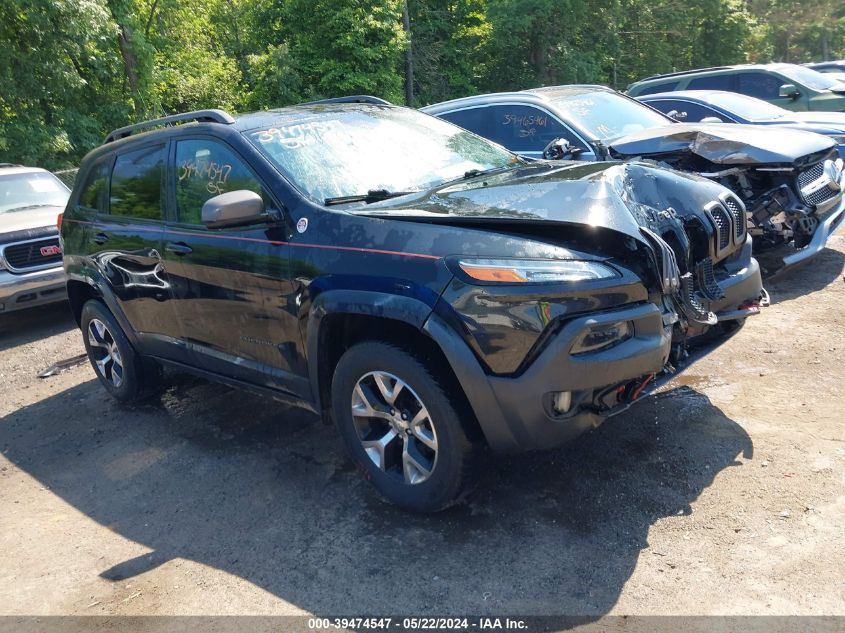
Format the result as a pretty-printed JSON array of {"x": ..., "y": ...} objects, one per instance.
[
  {"x": 121, "y": 370},
  {"x": 401, "y": 428}
]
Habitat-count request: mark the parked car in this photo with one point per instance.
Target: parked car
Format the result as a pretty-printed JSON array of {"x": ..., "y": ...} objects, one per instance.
[
  {"x": 31, "y": 273},
  {"x": 790, "y": 86},
  {"x": 836, "y": 66},
  {"x": 790, "y": 182},
  {"x": 718, "y": 106},
  {"x": 425, "y": 288}
]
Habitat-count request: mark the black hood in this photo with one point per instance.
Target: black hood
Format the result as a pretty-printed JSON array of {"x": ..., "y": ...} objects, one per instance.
[
  {"x": 617, "y": 196},
  {"x": 722, "y": 144}
]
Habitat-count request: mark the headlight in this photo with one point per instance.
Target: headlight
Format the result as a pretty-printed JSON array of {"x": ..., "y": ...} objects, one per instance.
[
  {"x": 839, "y": 139},
  {"x": 535, "y": 270}
]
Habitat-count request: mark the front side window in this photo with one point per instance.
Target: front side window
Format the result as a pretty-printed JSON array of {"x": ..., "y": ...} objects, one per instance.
[
  {"x": 29, "y": 190},
  {"x": 685, "y": 111},
  {"x": 337, "y": 151},
  {"x": 204, "y": 169},
  {"x": 526, "y": 128},
  {"x": 760, "y": 85},
  {"x": 136, "y": 184}
]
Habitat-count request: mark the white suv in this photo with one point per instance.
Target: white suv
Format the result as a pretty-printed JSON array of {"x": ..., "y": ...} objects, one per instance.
[{"x": 31, "y": 273}]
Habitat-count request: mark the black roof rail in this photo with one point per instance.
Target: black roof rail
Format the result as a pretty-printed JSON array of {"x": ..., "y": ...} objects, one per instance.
[
  {"x": 352, "y": 99},
  {"x": 200, "y": 116},
  {"x": 10, "y": 165},
  {"x": 687, "y": 72}
]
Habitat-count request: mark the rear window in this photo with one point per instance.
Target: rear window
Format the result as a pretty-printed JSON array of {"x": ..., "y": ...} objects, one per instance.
[{"x": 136, "y": 184}]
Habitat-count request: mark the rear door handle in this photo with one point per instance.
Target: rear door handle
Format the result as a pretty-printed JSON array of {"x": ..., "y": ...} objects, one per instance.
[
  {"x": 178, "y": 248},
  {"x": 100, "y": 238}
]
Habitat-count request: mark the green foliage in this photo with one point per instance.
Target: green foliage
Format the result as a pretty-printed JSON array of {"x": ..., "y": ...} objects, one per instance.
[
  {"x": 348, "y": 47},
  {"x": 74, "y": 69}
]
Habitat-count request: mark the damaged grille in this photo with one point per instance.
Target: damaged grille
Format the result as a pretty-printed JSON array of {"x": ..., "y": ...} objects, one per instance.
[
  {"x": 669, "y": 271},
  {"x": 737, "y": 211},
  {"x": 723, "y": 225},
  {"x": 25, "y": 256},
  {"x": 814, "y": 185}
]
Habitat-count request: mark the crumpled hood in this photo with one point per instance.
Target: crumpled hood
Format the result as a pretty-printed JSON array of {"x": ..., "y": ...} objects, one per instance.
[
  {"x": 616, "y": 196},
  {"x": 722, "y": 144},
  {"x": 11, "y": 221}
]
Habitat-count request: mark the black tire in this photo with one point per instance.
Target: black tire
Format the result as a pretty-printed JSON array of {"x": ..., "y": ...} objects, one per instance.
[
  {"x": 128, "y": 377},
  {"x": 452, "y": 464}
]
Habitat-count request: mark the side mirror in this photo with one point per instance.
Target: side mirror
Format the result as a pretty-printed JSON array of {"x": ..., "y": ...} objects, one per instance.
[
  {"x": 676, "y": 116},
  {"x": 233, "y": 208},
  {"x": 711, "y": 119},
  {"x": 559, "y": 149},
  {"x": 789, "y": 91}
]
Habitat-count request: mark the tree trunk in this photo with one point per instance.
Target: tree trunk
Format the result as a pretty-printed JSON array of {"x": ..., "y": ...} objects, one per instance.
[
  {"x": 409, "y": 57},
  {"x": 130, "y": 58}
]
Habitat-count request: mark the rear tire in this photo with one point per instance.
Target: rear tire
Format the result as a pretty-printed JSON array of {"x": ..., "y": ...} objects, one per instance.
[
  {"x": 401, "y": 428},
  {"x": 125, "y": 374}
]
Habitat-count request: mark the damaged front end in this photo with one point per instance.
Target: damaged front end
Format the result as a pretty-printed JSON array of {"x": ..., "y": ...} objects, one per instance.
[
  {"x": 709, "y": 281},
  {"x": 791, "y": 196}
]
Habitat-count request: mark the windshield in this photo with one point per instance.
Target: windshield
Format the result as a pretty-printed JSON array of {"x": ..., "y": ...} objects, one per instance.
[
  {"x": 31, "y": 189},
  {"x": 747, "y": 108},
  {"x": 808, "y": 77},
  {"x": 336, "y": 152},
  {"x": 607, "y": 115}
]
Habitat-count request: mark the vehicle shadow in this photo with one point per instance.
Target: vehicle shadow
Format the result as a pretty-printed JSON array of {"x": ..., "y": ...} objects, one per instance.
[
  {"x": 25, "y": 326},
  {"x": 805, "y": 278},
  {"x": 232, "y": 481}
]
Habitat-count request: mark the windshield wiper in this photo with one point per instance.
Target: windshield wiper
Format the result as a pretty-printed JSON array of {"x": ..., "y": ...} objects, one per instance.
[
  {"x": 31, "y": 206},
  {"x": 475, "y": 173},
  {"x": 373, "y": 195}
]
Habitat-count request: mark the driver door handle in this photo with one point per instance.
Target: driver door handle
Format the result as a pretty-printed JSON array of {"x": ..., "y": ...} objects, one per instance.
[{"x": 178, "y": 248}]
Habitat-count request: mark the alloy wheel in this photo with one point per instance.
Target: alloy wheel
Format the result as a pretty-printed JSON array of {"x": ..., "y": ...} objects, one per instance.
[
  {"x": 394, "y": 427},
  {"x": 105, "y": 353}
]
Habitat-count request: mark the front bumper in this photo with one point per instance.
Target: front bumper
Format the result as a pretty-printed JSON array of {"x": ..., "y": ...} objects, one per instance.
[
  {"x": 824, "y": 230},
  {"x": 26, "y": 290},
  {"x": 516, "y": 412}
]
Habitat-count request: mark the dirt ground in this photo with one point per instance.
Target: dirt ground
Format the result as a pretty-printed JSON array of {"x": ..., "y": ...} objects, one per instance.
[{"x": 722, "y": 494}]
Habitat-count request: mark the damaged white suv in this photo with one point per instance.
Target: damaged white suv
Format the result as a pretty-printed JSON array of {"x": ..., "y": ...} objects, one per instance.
[{"x": 31, "y": 201}]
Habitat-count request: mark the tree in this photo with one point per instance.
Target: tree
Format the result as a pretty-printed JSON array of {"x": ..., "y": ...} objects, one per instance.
[{"x": 344, "y": 47}]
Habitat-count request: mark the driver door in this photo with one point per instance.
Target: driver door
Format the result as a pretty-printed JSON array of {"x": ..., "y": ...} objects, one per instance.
[{"x": 223, "y": 279}]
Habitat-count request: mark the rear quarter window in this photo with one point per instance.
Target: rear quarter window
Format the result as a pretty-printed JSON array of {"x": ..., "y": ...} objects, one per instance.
[
  {"x": 94, "y": 192},
  {"x": 475, "y": 120}
]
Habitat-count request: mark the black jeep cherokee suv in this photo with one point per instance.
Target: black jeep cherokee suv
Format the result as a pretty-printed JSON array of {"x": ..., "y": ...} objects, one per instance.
[{"x": 428, "y": 290}]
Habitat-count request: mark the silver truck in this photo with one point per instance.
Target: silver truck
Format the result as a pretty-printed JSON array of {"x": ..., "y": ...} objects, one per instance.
[{"x": 31, "y": 273}]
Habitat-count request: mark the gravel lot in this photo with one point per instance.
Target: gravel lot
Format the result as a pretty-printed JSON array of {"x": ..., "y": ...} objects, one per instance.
[{"x": 722, "y": 494}]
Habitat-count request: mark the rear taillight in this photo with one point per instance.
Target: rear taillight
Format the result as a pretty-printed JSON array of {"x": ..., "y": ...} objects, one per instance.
[{"x": 59, "y": 221}]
